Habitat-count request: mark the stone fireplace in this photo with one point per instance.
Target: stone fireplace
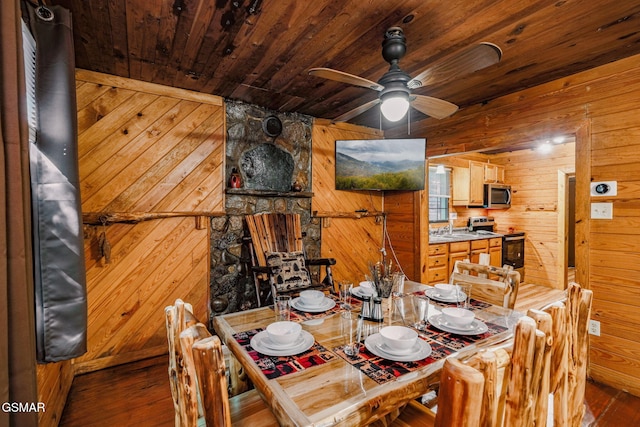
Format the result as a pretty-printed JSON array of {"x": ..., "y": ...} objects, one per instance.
[{"x": 273, "y": 169}]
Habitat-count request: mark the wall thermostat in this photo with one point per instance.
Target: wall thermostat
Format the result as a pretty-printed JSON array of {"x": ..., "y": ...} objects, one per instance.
[{"x": 604, "y": 188}]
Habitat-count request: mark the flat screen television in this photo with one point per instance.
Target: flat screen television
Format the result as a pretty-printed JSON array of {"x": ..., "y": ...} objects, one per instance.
[{"x": 381, "y": 164}]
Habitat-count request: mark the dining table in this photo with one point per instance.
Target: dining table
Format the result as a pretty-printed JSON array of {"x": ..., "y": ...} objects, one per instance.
[{"x": 322, "y": 386}]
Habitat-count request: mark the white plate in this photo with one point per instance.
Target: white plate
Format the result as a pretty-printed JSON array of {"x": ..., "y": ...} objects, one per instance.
[
  {"x": 327, "y": 304},
  {"x": 267, "y": 342},
  {"x": 261, "y": 343},
  {"x": 477, "y": 327},
  {"x": 434, "y": 295},
  {"x": 374, "y": 344},
  {"x": 357, "y": 293}
]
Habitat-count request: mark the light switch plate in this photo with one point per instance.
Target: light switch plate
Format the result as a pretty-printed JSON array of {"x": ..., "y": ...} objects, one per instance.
[
  {"x": 594, "y": 327},
  {"x": 601, "y": 210},
  {"x": 604, "y": 188}
]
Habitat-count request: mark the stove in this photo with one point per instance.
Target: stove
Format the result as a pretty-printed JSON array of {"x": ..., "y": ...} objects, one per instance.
[
  {"x": 481, "y": 223},
  {"x": 512, "y": 242}
]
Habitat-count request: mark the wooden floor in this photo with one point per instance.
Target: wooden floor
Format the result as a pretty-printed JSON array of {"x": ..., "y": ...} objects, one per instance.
[{"x": 137, "y": 394}]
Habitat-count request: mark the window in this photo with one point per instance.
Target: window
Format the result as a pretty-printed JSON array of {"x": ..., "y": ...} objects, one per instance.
[{"x": 439, "y": 193}]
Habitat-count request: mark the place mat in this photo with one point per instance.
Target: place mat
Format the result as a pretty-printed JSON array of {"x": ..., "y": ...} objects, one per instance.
[
  {"x": 277, "y": 366},
  {"x": 383, "y": 370},
  {"x": 442, "y": 344}
]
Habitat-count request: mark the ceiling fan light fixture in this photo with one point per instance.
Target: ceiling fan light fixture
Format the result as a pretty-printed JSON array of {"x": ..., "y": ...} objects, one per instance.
[{"x": 395, "y": 105}]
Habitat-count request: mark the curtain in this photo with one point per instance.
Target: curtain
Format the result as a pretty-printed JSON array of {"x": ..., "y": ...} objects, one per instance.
[
  {"x": 59, "y": 274},
  {"x": 17, "y": 339}
]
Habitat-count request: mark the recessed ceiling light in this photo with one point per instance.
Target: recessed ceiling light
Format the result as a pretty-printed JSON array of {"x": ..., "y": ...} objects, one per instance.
[{"x": 545, "y": 147}]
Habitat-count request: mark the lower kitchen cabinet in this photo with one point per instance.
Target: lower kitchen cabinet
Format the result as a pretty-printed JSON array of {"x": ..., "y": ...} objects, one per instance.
[
  {"x": 438, "y": 263},
  {"x": 495, "y": 251},
  {"x": 443, "y": 256},
  {"x": 458, "y": 251},
  {"x": 478, "y": 247}
]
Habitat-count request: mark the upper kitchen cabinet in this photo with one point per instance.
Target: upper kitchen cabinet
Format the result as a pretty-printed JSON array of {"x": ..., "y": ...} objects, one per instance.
[
  {"x": 493, "y": 173},
  {"x": 468, "y": 183}
]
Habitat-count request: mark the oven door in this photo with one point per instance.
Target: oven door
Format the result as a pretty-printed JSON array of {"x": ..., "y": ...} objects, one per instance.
[{"x": 513, "y": 250}]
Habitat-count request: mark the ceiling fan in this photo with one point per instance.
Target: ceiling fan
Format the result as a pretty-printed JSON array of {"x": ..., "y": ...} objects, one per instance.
[{"x": 395, "y": 85}]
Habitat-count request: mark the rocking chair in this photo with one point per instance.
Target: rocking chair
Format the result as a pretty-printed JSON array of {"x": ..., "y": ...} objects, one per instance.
[{"x": 279, "y": 259}]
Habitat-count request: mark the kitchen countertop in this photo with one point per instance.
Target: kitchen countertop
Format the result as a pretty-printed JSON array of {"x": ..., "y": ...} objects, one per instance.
[{"x": 458, "y": 236}]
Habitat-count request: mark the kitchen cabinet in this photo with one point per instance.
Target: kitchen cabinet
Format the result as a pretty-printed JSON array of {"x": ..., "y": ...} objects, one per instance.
[
  {"x": 458, "y": 251},
  {"x": 476, "y": 183},
  {"x": 468, "y": 183},
  {"x": 460, "y": 181},
  {"x": 478, "y": 247},
  {"x": 443, "y": 256},
  {"x": 495, "y": 251},
  {"x": 438, "y": 263},
  {"x": 493, "y": 173}
]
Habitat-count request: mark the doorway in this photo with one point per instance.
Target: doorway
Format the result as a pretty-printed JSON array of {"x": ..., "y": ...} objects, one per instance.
[{"x": 566, "y": 228}]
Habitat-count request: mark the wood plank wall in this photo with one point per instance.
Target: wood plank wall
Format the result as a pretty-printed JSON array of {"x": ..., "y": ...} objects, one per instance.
[
  {"x": 600, "y": 107},
  {"x": 536, "y": 207},
  {"x": 351, "y": 238},
  {"x": 54, "y": 383},
  {"x": 145, "y": 149}
]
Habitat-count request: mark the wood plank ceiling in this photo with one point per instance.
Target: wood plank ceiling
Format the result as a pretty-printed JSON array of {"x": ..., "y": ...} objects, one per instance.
[{"x": 260, "y": 51}]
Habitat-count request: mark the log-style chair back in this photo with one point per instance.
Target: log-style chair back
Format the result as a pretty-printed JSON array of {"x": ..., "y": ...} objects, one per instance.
[
  {"x": 497, "y": 285},
  {"x": 278, "y": 255},
  {"x": 198, "y": 378},
  {"x": 528, "y": 361},
  {"x": 211, "y": 384},
  {"x": 499, "y": 387},
  {"x": 179, "y": 317},
  {"x": 569, "y": 355},
  {"x": 548, "y": 355},
  {"x": 514, "y": 391},
  {"x": 458, "y": 403},
  {"x": 275, "y": 232}
]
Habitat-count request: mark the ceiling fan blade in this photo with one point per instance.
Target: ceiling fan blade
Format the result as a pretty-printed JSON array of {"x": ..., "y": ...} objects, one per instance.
[
  {"x": 433, "y": 107},
  {"x": 341, "y": 76},
  {"x": 470, "y": 60},
  {"x": 356, "y": 111}
]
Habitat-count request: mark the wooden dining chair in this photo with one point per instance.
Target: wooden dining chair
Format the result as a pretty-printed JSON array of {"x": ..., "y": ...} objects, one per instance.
[
  {"x": 205, "y": 375},
  {"x": 561, "y": 367},
  {"x": 497, "y": 387},
  {"x": 569, "y": 355},
  {"x": 458, "y": 403},
  {"x": 497, "y": 285},
  {"x": 278, "y": 257},
  {"x": 183, "y": 330}
]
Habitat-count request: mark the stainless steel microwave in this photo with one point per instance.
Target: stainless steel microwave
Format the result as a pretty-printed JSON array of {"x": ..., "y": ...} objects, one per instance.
[{"x": 497, "y": 196}]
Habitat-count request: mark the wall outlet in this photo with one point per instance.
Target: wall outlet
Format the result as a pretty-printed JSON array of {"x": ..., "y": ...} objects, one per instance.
[
  {"x": 601, "y": 210},
  {"x": 594, "y": 327}
]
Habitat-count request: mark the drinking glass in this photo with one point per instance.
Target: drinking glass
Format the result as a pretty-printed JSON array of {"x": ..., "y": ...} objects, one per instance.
[
  {"x": 282, "y": 307},
  {"x": 420, "y": 311},
  {"x": 463, "y": 293},
  {"x": 398, "y": 283},
  {"x": 351, "y": 328},
  {"x": 344, "y": 288}
]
